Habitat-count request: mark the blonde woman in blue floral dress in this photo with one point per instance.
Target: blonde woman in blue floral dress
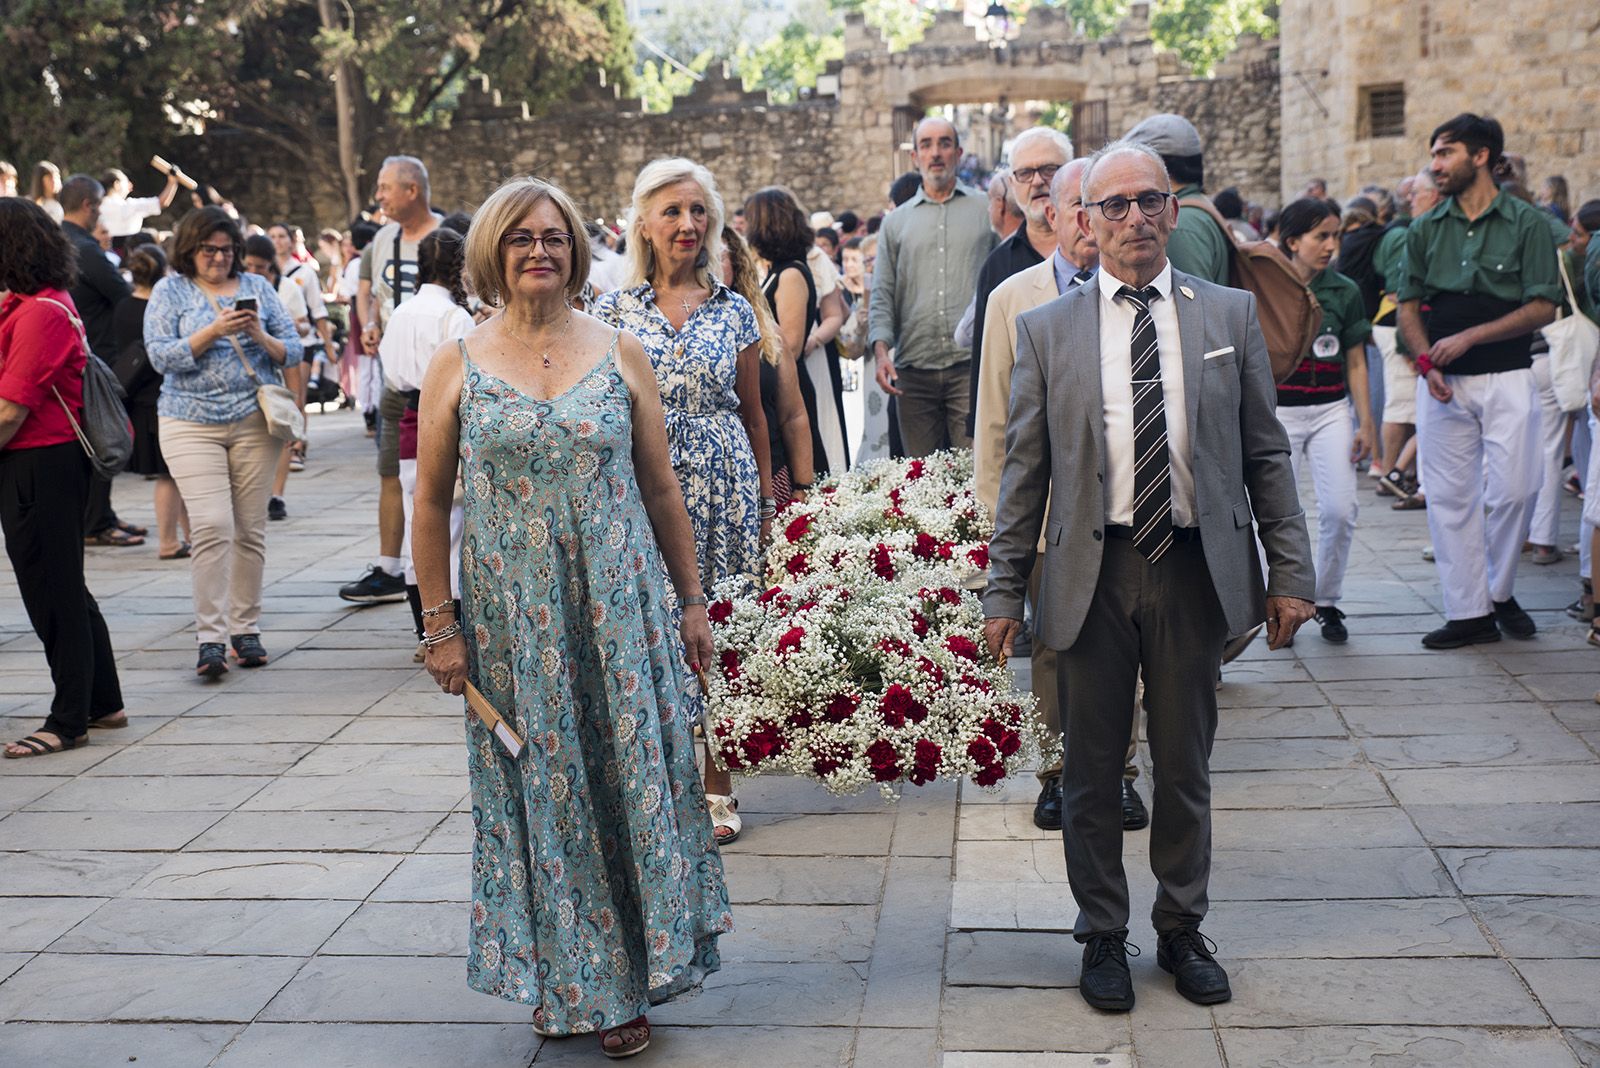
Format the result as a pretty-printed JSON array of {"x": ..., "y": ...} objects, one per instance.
[
  {"x": 705, "y": 346},
  {"x": 597, "y": 887}
]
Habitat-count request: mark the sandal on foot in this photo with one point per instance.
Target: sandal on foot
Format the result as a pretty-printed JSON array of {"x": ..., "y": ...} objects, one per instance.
[
  {"x": 112, "y": 536},
  {"x": 37, "y": 746},
  {"x": 131, "y": 528},
  {"x": 111, "y": 721},
  {"x": 182, "y": 553},
  {"x": 724, "y": 809},
  {"x": 632, "y": 1037}
]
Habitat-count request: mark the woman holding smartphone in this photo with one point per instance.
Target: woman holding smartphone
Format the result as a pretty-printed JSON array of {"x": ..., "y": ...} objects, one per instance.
[{"x": 217, "y": 333}]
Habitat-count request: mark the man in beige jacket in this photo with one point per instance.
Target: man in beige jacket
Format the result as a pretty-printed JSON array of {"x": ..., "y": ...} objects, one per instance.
[{"x": 1072, "y": 263}]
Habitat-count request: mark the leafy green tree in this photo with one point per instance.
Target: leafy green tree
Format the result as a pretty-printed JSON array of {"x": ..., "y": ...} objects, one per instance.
[
  {"x": 1204, "y": 31},
  {"x": 789, "y": 61},
  {"x": 1095, "y": 18},
  {"x": 659, "y": 82},
  {"x": 901, "y": 22}
]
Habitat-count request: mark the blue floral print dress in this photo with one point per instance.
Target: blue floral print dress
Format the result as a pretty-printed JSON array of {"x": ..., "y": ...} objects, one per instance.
[
  {"x": 696, "y": 368},
  {"x": 597, "y": 888}
]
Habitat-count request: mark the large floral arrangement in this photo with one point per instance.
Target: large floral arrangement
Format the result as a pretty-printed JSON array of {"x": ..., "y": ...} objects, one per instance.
[
  {"x": 862, "y": 660},
  {"x": 851, "y": 682}
]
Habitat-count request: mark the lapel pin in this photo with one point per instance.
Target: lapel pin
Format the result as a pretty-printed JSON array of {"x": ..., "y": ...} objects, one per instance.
[{"x": 1186, "y": 291}]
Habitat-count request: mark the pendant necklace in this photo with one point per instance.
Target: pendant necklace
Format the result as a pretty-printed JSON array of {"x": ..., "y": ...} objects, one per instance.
[{"x": 545, "y": 356}]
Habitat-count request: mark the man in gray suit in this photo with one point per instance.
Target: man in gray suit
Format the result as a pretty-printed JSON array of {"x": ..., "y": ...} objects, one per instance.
[{"x": 1146, "y": 399}]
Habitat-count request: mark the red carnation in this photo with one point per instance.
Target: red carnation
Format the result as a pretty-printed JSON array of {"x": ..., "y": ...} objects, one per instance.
[
  {"x": 1010, "y": 742},
  {"x": 720, "y": 612},
  {"x": 730, "y": 664},
  {"x": 914, "y": 471},
  {"x": 798, "y": 564},
  {"x": 884, "y": 761},
  {"x": 894, "y": 645},
  {"x": 919, "y": 624},
  {"x": 826, "y": 762},
  {"x": 932, "y": 670},
  {"x": 979, "y": 557},
  {"x": 895, "y": 705},
  {"x": 791, "y": 639},
  {"x": 982, "y": 751},
  {"x": 949, "y": 596},
  {"x": 926, "y": 548},
  {"x": 768, "y": 595},
  {"x": 990, "y": 775},
  {"x": 841, "y": 707},
  {"x": 925, "y": 762},
  {"x": 881, "y": 562},
  {"x": 730, "y": 758},
  {"x": 837, "y": 558},
  {"x": 798, "y": 529},
  {"x": 981, "y": 685},
  {"x": 800, "y": 719},
  {"x": 962, "y": 646}
]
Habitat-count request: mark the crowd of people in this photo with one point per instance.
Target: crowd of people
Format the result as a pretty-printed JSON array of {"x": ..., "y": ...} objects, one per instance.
[{"x": 583, "y": 431}]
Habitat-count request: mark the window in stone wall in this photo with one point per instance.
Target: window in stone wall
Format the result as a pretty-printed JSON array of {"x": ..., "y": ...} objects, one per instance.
[{"x": 1383, "y": 111}]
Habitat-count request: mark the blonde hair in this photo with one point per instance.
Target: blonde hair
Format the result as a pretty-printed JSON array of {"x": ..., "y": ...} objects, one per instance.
[
  {"x": 747, "y": 283},
  {"x": 499, "y": 215},
  {"x": 656, "y": 176}
]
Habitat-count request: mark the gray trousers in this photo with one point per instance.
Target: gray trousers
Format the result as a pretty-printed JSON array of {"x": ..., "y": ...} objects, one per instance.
[
  {"x": 933, "y": 408},
  {"x": 1165, "y": 619}
]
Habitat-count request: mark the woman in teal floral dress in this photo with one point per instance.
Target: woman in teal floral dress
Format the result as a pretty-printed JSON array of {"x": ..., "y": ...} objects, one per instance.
[
  {"x": 705, "y": 346},
  {"x": 597, "y": 887}
]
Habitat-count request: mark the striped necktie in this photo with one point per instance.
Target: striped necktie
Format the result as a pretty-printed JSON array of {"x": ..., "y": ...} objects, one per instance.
[{"x": 1152, "y": 467}]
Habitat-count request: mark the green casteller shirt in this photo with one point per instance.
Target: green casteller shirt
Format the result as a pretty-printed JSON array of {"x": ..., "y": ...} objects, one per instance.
[
  {"x": 1389, "y": 258},
  {"x": 1591, "y": 274},
  {"x": 1320, "y": 376},
  {"x": 1197, "y": 245},
  {"x": 1506, "y": 253}
]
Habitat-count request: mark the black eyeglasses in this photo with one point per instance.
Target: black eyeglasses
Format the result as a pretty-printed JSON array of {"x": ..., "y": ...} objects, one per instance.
[
  {"x": 219, "y": 251},
  {"x": 1024, "y": 175},
  {"x": 1150, "y": 203},
  {"x": 556, "y": 244}
]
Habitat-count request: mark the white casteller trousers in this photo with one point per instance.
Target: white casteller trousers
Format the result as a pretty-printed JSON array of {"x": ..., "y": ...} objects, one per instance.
[
  {"x": 1546, "y": 528},
  {"x": 1321, "y": 435},
  {"x": 1591, "y": 501},
  {"x": 1480, "y": 460}
]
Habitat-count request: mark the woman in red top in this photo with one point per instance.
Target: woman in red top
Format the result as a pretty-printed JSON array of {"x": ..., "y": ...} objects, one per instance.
[{"x": 44, "y": 477}]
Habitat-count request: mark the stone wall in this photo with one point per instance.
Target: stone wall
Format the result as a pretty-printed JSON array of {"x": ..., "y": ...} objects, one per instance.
[
  {"x": 834, "y": 151},
  {"x": 1531, "y": 64}
]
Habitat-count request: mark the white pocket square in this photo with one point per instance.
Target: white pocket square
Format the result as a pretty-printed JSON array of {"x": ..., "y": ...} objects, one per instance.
[{"x": 1214, "y": 353}]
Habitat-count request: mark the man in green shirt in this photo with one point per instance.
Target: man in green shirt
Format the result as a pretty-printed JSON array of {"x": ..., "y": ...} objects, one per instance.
[
  {"x": 1480, "y": 277},
  {"x": 1197, "y": 245}
]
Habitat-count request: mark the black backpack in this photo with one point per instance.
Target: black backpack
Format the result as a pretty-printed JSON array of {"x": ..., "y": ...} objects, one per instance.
[{"x": 104, "y": 430}]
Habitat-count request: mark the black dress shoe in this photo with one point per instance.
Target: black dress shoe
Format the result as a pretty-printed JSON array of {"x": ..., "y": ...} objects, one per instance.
[
  {"x": 1186, "y": 954},
  {"x": 1513, "y": 620},
  {"x": 1459, "y": 632},
  {"x": 1047, "y": 812},
  {"x": 1134, "y": 816},
  {"x": 1105, "y": 982},
  {"x": 1332, "y": 623}
]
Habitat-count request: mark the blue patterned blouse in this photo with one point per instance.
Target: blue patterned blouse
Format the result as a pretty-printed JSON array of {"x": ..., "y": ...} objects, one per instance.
[{"x": 213, "y": 386}]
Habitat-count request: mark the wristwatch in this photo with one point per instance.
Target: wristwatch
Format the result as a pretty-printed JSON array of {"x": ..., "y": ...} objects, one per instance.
[{"x": 685, "y": 602}]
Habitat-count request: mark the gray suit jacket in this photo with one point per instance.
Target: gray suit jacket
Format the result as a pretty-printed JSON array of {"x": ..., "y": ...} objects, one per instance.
[{"x": 1055, "y": 434}]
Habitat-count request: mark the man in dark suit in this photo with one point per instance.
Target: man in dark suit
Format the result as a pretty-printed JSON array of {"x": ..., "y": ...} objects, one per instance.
[
  {"x": 97, "y": 293},
  {"x": 1143, "y": 402}
]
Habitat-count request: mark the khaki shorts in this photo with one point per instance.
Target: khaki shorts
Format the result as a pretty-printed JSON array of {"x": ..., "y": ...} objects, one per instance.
[
  {"x": 390, "y": 409},
  {"x": 1399, "y": 380}
]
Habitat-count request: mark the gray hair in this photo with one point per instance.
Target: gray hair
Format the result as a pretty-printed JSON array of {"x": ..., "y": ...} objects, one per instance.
[
  {"x": 656, "y": 176},
  {"x": 1120, "y": 148},
  {"x": 1425, "y": 177},
  {"x": 1048, "y": 134},
  {"x": 414, "y": 170},
  {"x": 1063, "y": 179}
]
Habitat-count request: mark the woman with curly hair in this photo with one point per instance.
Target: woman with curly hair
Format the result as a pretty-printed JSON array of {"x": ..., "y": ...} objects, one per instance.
[{"x": 44, "y": 477}]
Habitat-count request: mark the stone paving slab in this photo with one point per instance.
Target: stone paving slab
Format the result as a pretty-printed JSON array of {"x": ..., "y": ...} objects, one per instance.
[
  {"x": 1414, "y": 1047},
  {"x": 147, "y": 1045}
]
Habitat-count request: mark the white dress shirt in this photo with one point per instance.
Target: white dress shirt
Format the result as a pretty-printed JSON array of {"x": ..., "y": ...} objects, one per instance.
[
  {"x": 124, "y": 216},
  {"x": 1116, "y": 383},
  {"x": 416, "y": 330}
]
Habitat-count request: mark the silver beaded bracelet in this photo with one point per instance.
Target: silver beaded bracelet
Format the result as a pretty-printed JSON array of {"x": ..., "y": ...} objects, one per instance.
[{"x": 450, "y": 631}]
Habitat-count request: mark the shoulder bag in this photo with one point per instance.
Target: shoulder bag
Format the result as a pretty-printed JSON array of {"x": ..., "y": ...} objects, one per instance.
[
  {"x": 1574, "y": 342},
  {"x": 285, "y": 420},
  {"x": 104, "y": 431}
]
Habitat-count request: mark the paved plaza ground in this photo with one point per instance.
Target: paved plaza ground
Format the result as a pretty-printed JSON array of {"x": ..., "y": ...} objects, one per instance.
[{"x": 271, "y": 870}]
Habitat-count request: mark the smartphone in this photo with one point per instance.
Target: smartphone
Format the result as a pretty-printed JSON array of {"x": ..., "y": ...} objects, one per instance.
[{"x": 246, "y": 304}]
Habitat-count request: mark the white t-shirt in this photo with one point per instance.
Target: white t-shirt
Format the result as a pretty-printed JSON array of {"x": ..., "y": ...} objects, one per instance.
[
  {"x": 392, "y": 266},
  {"x": 124, "y": 216},
  {"x": 304, "y": 275},
  {"x": 350, "y": 280},
  {"x": 415, "y": 331},
  {"x": 294, "y": 305},
  {"x": 823, "y": 273}
]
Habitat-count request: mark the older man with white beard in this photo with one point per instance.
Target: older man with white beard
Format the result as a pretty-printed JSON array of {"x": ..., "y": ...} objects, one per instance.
[{"x": 1036, "y": 155}]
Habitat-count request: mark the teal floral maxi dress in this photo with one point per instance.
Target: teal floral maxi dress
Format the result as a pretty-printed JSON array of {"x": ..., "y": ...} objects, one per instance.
[{"x": 597, "y": 888}]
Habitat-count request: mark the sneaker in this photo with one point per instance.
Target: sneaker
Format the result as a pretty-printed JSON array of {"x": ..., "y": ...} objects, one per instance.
[
  {"x": 1186, "y": 954},
  {"x": 1459, "y": 632},
  {"x": 1104, "y": 981},
  {"x": 1332, "y": 622},
  {"x": 296, "y": 462},
  {"x": 249, "y": 650},
  {"x": 1547, "y": 554},
  {"x": 421, "y": 655},
  {"x": 377, "y": 586},
  {"x": 1394, "y": 485},
  {"x": 213, "y": 660},
  {"x": 1427, "y": 553},
  {"x": 1513, "y": 620},
  {"x": 276, "y": 508}
]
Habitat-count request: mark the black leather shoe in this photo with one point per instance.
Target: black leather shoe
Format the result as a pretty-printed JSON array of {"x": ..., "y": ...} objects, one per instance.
[
  {"x": 1332, "y": 623},
  {"x": 1105, "y": 982},
  {"x": 1459, "y": 632},
  {"x": 1134, "y": 816},
  {"x": 1047, "y": 812},
  {"x": 1513, "y": 620},
  {"x": 1186, "y": 954}
]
